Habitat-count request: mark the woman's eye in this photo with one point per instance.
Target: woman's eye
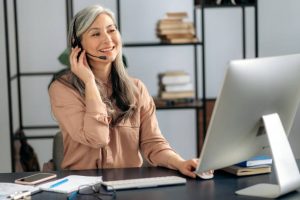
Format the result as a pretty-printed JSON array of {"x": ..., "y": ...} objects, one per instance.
[
  {"x": 112, "y": 30},
  {"x": 95, "y": 34}
]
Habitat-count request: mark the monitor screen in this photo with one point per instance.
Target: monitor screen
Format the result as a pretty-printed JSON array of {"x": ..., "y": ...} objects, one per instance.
[{"x": 251, "y": 89}]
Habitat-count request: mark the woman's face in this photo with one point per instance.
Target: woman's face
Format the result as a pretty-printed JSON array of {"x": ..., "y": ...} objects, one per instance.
[{"x": 102, "y": 38}]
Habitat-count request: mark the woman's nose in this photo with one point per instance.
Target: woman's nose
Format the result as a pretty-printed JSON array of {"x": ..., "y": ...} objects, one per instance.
[{"x": 107, "y": 38}]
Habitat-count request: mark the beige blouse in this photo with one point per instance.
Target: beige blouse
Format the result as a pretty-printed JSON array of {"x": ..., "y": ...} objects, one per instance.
[{"x": 90, "y": 142}]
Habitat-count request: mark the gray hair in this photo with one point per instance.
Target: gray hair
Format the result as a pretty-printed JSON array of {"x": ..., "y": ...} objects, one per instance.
[
  {"x": 123, "y": 88},
  {"x": 84, "y": 19}
]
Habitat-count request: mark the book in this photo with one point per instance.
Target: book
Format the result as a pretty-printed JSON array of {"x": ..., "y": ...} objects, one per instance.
[
  {"x": 173, "y": 73},
  {"x": 181, "y": 40},
  {"x": 256, "y": 161},
  {"x": 176, "y": 14},
  {"x": 175, "y": 85},
  {"x": 167, "y": 21},
  {"x": 246, "y": 171},
  {"x": 174, "y": 79},
  {"x": 72, "y": 184},
  {"x": 177, "y": 95},
  {"x": 172, "y": 102},
  {"x": 178, "y": 87},
  {"x": 183, "y": 25},
  {"x": 178, "y": 35},
  {"x": 175, "y": 31}
]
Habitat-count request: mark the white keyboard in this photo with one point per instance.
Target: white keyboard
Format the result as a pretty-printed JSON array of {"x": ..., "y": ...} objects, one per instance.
[{"x": 143, "y": 182}]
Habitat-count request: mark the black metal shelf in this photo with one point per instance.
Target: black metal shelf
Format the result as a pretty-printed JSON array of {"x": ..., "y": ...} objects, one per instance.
[
  {"x": 193, "y": 105},
  {"x": 17, "y": 76},
  {"x": 198, "y": 105},
  {"x": 36, "y": 137},
  {"x": 226, "y": 5},
  {"x": 37, "y": 73},
  {"x": 41, "y": 127},
  {"x": 153, "y": 44}
]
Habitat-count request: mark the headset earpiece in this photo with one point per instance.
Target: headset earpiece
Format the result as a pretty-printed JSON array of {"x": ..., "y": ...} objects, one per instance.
[{"x": 76, "y": 40}]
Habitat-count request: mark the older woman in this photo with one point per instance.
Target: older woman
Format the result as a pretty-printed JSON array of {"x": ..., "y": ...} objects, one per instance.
[{"x": 106, "y": 117}]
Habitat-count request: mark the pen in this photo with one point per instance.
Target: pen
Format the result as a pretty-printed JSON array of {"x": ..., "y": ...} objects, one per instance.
[
  {"x": 59, "y": 183},
  {"x": 72, "y": 196}
]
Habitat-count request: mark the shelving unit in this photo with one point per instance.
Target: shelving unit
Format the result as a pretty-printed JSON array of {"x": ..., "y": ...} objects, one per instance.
[
  {"x": 17, "y": 77},
  {"x": 203, "y": 7},
  {"x": 200, "y": 104}
]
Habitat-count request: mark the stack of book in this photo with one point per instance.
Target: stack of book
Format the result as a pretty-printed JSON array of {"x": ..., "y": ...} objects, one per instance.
[
  {"x": 255, "y": 165},
  {"x": 175, "y": 85},
  {"x": 173, "y": 29},
  {"x": 174, "y": 102}
]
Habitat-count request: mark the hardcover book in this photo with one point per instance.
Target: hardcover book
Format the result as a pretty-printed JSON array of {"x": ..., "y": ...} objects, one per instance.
[
  {"x": 245, "y": 171},
  {"x": 256, "y": 161},
  {"x": 176, "y": 14},
  {"x": 183, "y": 25},
  {"x": 177, "y": 95},
  {"x": 181, "y": 40},
  {"x": 174, "y": 79},
  {"x": 178, "y": 87}
]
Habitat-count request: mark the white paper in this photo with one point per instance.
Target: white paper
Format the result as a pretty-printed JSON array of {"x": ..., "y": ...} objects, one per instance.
[
  {"x": 73, "y": 183},
  {"x": 7, "y": 189}
]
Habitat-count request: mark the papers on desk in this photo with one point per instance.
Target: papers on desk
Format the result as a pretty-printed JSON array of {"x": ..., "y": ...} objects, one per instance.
[
  {"x": 7, "y": 189},
  {"x": 70, "y": 183}
]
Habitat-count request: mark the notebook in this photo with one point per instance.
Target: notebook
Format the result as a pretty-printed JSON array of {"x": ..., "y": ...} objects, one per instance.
[
  {"x": 256, "y": 161},
  {"x": 245, "y": 171},
  {"x": 70, "y": 183}
]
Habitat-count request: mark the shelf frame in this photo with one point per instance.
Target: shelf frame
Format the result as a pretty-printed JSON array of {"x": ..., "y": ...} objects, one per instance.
[{"x": 69, "y": 15}]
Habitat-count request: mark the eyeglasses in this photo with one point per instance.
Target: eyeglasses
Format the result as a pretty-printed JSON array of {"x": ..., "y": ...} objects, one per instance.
[{"x": 97, "y": 191}]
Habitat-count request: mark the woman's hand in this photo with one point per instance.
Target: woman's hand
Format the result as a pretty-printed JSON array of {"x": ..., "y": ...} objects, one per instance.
[
  {"x": 187, "y": 167},
  {"x": 81, "y": 68}
]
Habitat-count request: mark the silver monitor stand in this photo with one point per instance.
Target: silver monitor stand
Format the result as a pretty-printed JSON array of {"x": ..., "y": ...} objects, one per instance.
[{"x": 285, "y": 165}]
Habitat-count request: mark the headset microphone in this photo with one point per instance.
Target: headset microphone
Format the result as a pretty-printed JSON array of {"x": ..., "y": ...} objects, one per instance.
[{"x": 100, "y": 57}]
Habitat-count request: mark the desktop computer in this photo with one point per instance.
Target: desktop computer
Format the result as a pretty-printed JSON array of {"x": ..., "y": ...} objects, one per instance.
[{"x": 254, "y": 112}]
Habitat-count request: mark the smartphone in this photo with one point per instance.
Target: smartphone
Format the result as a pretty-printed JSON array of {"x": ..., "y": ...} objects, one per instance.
[{"x": 35, "y": 178}]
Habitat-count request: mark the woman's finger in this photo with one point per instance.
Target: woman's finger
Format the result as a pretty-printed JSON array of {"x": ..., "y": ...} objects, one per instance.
[
  {"x": 80, "y": 60},
  {"x": 73, "y": 57},
  {"x": 189, "y": 173},
  {"x": 73, "y": 54}
]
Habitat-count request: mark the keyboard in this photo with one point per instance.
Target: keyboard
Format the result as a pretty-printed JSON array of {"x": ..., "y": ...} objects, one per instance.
[{"x": 143, "y": 182}]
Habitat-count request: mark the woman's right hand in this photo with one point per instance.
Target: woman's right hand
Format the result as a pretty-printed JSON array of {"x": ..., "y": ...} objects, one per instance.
[{"x": 80, "y": 67}]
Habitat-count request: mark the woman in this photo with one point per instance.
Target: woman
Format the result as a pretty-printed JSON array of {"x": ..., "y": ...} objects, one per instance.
[{"x": 107, "y": 118}]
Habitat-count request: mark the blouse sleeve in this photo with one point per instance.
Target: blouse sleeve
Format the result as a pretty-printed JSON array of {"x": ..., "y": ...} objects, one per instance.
[
  {"x": 154, "y": 146},
  {"x": 85, "y": 121}
]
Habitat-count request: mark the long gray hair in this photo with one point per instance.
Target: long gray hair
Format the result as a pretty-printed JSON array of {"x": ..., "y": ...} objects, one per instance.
[{"x": 123, "y": 89}]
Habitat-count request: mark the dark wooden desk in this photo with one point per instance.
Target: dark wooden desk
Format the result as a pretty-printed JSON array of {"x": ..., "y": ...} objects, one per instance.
[{"x": 222, "y": 186}]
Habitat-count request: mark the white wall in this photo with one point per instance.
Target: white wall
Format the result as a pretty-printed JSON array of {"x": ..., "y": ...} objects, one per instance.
[
  {"x": 279, "y": 33},
  {"x": 4, "y": 123},
  {"x": 41, "y": 43}
]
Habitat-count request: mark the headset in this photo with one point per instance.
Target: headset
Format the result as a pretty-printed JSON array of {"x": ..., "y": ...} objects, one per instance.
[{"x": 76, "y": 42}]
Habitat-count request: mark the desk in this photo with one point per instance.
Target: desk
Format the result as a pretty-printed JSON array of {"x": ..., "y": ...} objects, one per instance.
[{"x": 222, "y": 186}]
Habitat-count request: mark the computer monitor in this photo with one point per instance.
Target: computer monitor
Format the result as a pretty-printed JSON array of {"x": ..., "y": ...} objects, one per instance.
[{"x": 253, "y": 113}]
